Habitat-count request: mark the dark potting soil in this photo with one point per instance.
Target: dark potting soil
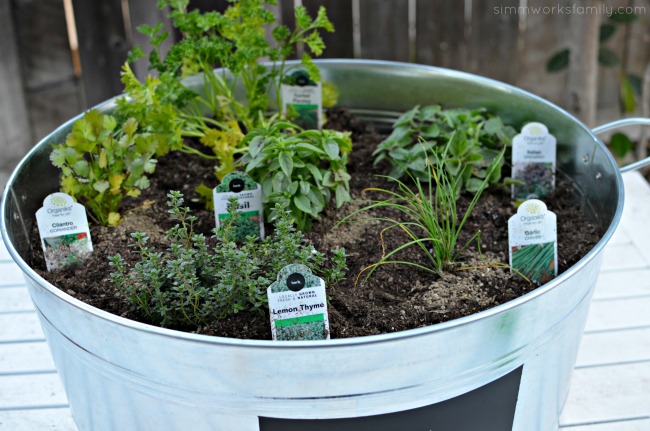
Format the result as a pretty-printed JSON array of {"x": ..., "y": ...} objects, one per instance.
[{"x": 395, "y": 298}]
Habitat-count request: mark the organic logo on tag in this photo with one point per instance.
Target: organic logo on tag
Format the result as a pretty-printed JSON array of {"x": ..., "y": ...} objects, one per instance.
[
  {"x": 58, "y": 201},
  {"x": 532, "y": 208},
  {"x": 535, "y": 129}
]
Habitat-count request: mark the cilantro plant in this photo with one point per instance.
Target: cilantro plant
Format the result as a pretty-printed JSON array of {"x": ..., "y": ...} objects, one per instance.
[
  {"x": 299, "y": 169},
  {"x": 191, "y": 284},
  {"x": 101, "y": 163},
  {"x": 469, "y": 140},
  {"x": 430, "y": 214}
]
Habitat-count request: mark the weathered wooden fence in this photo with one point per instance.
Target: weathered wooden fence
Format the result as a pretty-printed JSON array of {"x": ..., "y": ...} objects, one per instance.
[{"x": 46, "y": 78}]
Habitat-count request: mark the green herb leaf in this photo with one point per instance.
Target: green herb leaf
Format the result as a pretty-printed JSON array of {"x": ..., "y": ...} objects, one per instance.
[
  {"x": 474, "y": 185},
  {"x": 306, "y": 170},
  {"x": 433, "y": 131},
  {"x": 101, "y": 186},
  {"x": 312, "y": 69},
  {"x": 454, "y": 166},
  {"x": 303, "y": 203},
  {"x": 331, "y": 149},
  {"x": 459, "y": 145},
  {"x": 342, "y": 195},
  {"x": 286, "y": 163},
  {"x": 100, "y": 164},
  {"x": 493, "y": 125},
  {"x": 467, "y": 140}
]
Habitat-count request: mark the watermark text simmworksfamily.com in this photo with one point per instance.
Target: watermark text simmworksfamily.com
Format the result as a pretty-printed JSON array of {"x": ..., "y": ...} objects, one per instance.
[{"x": 559, "y": 9}]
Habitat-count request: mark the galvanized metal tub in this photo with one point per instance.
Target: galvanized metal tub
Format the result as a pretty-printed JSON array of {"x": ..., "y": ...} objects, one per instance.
[{"x": 124, "y": 375}]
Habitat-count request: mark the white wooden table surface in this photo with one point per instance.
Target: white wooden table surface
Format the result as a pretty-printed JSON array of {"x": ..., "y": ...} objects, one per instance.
[{"x": 610, "y": 388}]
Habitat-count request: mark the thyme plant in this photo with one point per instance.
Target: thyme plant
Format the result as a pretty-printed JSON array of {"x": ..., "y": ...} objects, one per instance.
[{"x": 191, "y": 283}]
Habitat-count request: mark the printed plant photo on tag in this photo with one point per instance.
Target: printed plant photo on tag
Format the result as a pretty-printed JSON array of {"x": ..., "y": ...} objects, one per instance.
[
  {"x": 537, "y": 180},
  {"x": 66, "y": 249},
  {"x": 536, "y": 261},
  {"x": 248, "y": 193},
  {"x": 301, "y": 328}
]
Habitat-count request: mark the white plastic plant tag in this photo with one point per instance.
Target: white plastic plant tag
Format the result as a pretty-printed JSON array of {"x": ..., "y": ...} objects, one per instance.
[
  {"x": 302, "y": 98},
  {"x": 63, "y": 226},
  {"x": 249, "y": 195},
  {"x": 533, "y": 162},
  {"x": 532, "y": 236},
  {"x": 298, "y": 305}
]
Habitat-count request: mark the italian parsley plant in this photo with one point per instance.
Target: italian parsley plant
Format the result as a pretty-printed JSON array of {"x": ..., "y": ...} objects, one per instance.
[{"x": 469, "y": 140}]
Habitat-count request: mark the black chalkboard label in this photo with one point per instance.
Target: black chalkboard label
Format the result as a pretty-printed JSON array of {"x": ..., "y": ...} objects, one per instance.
[{"x": 488, "y": 408}]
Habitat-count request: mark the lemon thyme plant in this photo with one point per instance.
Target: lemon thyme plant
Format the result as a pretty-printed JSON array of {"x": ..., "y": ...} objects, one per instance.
[
  {"x": 469, "y": 140},
  {"x": 191, "y": 283},
  {"x": 102, "y": 163},
  {"x": 431, "y": 213},
  {"x": 299, "y": 169}
]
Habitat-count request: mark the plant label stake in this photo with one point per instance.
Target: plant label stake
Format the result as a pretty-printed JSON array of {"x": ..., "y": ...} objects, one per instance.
[
  {"x": 249, "y": 196},
  {"x": 63, "y": 227},
  {"x": 532, "y": 236},
  {"x": 298, "y": 305},
  {"x": 533, "y": 162},
  {"x": 302, "y": 98}
]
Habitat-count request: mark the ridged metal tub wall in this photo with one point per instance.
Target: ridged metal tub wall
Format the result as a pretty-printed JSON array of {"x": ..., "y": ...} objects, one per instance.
[{"x": 504, "y": 368}]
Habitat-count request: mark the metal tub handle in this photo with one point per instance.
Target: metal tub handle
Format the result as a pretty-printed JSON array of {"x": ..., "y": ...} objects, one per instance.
[{"x": 623, "y": 123}]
